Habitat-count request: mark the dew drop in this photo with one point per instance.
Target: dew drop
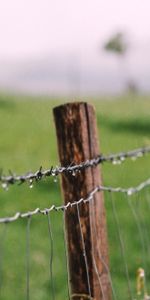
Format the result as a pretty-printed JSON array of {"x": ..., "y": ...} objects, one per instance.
[
  {"x": 140, "y": 154},
  {"x": 5, "y": 186},
  {"x": 116, "y": 162},
  {"x": 129, "y": 192},
  {"x": 31, "y": 183},
  {"x": 134, "y": 158},
  {"x": 55, "y": 179},
  {"x": 122, "y": 158}
]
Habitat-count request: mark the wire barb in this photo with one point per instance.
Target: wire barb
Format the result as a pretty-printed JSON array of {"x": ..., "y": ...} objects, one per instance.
[{"x": 72, "y": 169}]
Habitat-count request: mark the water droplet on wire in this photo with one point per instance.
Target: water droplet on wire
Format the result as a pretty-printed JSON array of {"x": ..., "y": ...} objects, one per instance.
[
  {"x": 55, "y": 179},
  {"x": 31, "y": 183},
  {"x": 134, "y": 158},
  {"x": 116, "y": 161},
  {"x": 140, "y": 154},
  {"x": 122, "y": 158},
  {"x": 129, "y": 192},
  {"x": 5, "y": 186}
]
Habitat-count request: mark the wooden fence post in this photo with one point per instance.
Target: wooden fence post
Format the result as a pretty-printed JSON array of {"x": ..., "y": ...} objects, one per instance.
[{"x": 78, "y": 141}]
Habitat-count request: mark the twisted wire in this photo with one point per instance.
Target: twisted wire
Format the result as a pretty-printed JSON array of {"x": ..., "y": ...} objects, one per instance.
[
  {"x": 116, "y": 158},
  {"x": 45, "y": 211}
]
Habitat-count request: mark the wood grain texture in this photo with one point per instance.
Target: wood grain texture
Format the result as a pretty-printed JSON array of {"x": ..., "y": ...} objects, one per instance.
[{"x": 78, "y": 141}]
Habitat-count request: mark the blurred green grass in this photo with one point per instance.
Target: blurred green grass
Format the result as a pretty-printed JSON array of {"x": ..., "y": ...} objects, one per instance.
[{"x": 28, "y": 141}]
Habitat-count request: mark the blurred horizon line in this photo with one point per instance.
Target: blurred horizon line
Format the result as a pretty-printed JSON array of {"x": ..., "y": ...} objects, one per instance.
[{"x": 90, "y": 73}]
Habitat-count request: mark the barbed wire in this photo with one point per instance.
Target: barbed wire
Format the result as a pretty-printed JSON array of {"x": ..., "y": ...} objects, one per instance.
[
  {"x": 129, "y": 191},
  {"x": 72, "y": 169}
]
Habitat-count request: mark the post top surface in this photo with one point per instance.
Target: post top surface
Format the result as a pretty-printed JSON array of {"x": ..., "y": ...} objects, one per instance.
[{"x": 72, "y": 104}]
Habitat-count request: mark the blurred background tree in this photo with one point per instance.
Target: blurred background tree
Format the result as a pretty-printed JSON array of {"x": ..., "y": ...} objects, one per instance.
[{"x": 118, "y": 45}]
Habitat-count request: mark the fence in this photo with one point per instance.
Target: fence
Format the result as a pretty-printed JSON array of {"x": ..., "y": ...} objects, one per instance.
[{"x": 88, "y": 268}]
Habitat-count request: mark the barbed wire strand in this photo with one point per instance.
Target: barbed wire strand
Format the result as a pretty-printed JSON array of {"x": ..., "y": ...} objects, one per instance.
[
  {"x": 102, "y": 259},
  {"x": 129, "y": 191},
  {"x": 140, "y": 229},
  {"x": 2, "y": 241},
  {"x": 147, "y": 240},
  {"x": 51, "y": 255},
  {"x": 148, "y": 204},
  {"x": 93, "y": 254},
  {"x": 99, "y": 279},
  {"x": 72, "y": 169},
  {"x": 122, "y": 247},
  {"x": 147, "y": 229},
  {"x": 82, "y": 296},
  {"x": 148, "y": 200},
  {"x": 84, "y": 252},
  {"x": 28, "y": 258},
  {"x": 66, "y": 257}
]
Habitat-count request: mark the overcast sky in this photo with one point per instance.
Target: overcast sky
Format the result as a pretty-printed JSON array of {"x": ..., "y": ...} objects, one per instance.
[
  {"x": 37, "y": 27},
  {"x": 34, "y": 34}
]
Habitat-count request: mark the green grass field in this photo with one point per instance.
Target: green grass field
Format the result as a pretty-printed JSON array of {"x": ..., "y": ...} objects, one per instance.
[{"x": 27, "y": 141}]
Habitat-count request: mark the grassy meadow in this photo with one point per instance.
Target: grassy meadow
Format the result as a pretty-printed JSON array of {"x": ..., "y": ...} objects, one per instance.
[{"x": 28, "y": 141}]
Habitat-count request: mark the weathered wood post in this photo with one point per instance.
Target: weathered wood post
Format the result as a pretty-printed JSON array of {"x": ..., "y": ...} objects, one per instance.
[{"x": 78, "y": 141}]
